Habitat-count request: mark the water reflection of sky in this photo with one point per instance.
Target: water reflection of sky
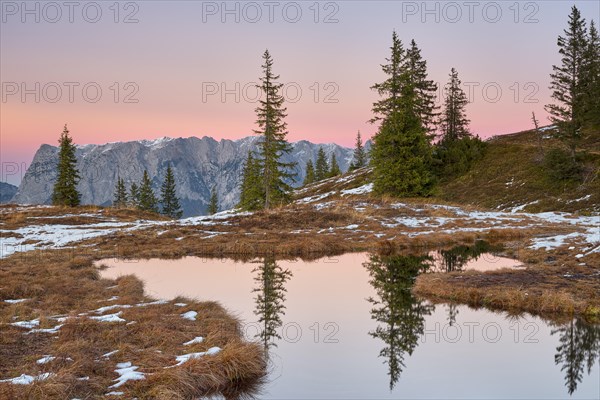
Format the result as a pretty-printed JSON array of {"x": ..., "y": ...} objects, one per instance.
[{"x": 326, "y": 350}]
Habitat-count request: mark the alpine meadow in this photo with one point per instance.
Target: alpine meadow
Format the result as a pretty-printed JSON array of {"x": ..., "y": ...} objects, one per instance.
[{"x": 300, "y": 200}]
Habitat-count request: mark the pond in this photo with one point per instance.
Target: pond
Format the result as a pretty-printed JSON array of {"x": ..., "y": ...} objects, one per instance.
[{"x": 349, "y": 327}]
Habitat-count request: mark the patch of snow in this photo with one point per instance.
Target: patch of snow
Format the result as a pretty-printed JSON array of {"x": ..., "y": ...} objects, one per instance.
[
  {"x": 27, "y": 324},
  {"x": 127, "y": 372},
  {"x": 368, "y": 188},
  {"x": 186, "y": 357},
  {"x": 198, "y": 339},
  {"x": 109, "y": 317},
  {"x": 115, "y": 394},
  {"x": 25, "y": 379},
  {"x": 180, "y": 304},
  {"x": 16, "y": 301},
  {"x": 45, "y": 359},
  {"x": 47, "y": 330},
  {"x": 522, "y": 207},
  {"x": 110, "y": 353},
  {"x": 190, "y": 315},
  {"x": 353, "y": 226}
]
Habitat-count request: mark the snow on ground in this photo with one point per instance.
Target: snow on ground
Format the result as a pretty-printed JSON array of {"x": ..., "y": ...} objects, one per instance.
[
  {"x": 109, "y": 317},
  {"x": 27, "y": 324},
  {"x": 25, "y": 379},
  {"x": 45, "y": 359},
  {"x": 127, "y": 372},
  {"x": 15, "y": 301},
  {"x": 368, "y": 188},
  {"x": 190, "y": 315},
  {"x": 198, "y": 339},
  {"x": 186, "y": 357}
]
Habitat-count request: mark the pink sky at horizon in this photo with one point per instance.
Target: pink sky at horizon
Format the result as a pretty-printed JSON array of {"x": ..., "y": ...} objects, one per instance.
[{"x": 173, "y": 57}]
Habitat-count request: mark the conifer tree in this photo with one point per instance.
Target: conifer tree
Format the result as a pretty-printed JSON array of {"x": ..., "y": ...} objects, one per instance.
[
  {"x": 568, "y": 83},
  {"x": 359, "y": 158},
  {"x": 251, "y": 190},
  {"x": 454, "y": 121},
  {"x": 591, "y": 81},
  {"x": 401, "y": 152},
  {"x": 310, "y": 173},
  {"x": 321, "y": 168},
  {"x": 148, "y": 200},
  {"x": 213, "y": 206},
  {"x": 426, "y": 89},
  {"x": 169, "y": 200},
  {"x": 273, "y": 144},
  {"x": 65, "y": 188},
  {"x": 334, "y": 168},
  {"x": 120, "y": 194},
  {"x": 390, "y": 89},
  {"x": 134, "y": 195}
]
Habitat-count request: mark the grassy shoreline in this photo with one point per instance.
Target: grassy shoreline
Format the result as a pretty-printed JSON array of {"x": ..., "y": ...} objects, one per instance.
[{"x": 63, "y": 283}]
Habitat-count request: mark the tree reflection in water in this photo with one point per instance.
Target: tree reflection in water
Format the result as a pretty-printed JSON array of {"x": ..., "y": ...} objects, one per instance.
[
  {"x": 270, "y": 298},
  {"x": 578, "y": 351},
  {"x": 400, "y": 315}
]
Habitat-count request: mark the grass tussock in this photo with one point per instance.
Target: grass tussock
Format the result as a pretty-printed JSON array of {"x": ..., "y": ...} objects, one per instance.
[{"x": 64, "y": 290}]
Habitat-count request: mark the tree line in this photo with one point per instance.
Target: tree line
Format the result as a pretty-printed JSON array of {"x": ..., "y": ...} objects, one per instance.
[{"x": 417, "y": 143}]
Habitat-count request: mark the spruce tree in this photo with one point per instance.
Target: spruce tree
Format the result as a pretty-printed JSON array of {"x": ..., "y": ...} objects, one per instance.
[
  {"x": 401, "y": 153},
  {"x": 148, "y": 200},
  {"x": 251, "y": 189},
  {"x": 334, "y": 168},
  {"x": 426, "y": 89},
  {"x": 591, "y": 82},
  {"x": 321, "y": 168},
  {"x": 120, "y": 194},
  {"x": 213, "y": 205},
  {"x": 568, "y": 83},
  {"x": 134, "y": 195},
  {"x": 390, "y": 89},
  {"x": 454, "y": 121},
  {"x": 169, "y": 200},
  {"x": 273, "y": 144},
  {"x": 310, "y": 173},
  {"x": 359, "y": 158},
  {"x": 65, "y": 188}
]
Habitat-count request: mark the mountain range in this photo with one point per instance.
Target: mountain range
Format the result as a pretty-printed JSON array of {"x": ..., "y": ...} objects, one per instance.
[{"x": 199, "y": 164}]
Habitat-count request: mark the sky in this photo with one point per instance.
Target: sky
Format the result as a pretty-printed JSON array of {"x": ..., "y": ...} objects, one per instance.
[{"x": 119, "y": 71}]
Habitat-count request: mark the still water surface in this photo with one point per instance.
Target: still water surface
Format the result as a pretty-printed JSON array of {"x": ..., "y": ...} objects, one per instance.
[{"x": 348, "y": 327}]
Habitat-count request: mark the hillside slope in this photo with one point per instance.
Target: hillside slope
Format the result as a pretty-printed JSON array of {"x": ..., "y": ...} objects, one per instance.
[{"x": 511, "y": 176}]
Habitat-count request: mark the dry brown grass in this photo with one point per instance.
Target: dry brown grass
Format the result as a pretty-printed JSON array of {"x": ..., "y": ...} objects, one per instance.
[{"x": 58, "y": 284}]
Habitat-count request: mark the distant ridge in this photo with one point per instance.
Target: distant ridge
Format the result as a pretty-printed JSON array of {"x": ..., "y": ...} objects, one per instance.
[{"x": 198, "y": 164}]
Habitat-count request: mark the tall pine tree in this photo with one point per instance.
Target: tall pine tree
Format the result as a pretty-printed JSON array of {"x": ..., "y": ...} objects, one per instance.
[
  {"x": 321, "y": 168},
  {"x": 169, "y": 200},
  {"x": 273, "y": 144},
  {"x": 401, "y": 152},
  {"x": 425, "y": 88},
  {"x": 568, "y": 83},
  {"x": 359, "y": 158},
  {"x": 591, "y": 82},
  {"x": 148, "y": 200},
  {"x": 454, "y": 121},
  {"x": 310, "y": 173},
  {"x": 120, "y": 194},
  {"x": 65, "y": 188},
  {"x": 213, "y": 205}
]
